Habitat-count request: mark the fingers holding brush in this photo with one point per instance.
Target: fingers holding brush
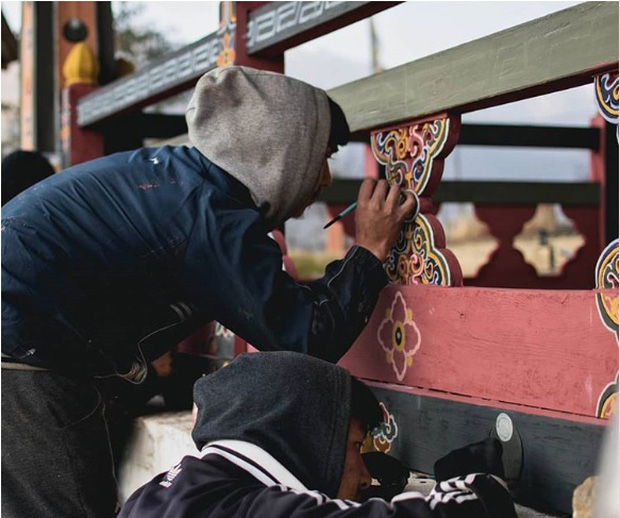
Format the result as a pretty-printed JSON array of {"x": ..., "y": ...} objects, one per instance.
[{"x": 381, "y": 210}]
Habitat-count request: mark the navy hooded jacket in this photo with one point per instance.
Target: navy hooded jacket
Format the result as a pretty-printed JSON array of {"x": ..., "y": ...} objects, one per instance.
[{"x": 99, "y": 257}]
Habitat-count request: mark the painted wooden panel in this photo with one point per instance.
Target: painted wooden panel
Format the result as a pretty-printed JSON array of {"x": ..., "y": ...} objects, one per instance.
[
  {"x": 559, "y": 51},
  {"x": 558, "y": 454},
  {"x": 544, "y": 349},
  {"x": 277, "y": 26},
  {"x": 413, "y": 156}
]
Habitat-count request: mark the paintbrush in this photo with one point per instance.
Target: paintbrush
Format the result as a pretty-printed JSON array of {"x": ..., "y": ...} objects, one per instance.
[
  {"x": 341, "y": 215},
  {"x": 354, "y": 204}
]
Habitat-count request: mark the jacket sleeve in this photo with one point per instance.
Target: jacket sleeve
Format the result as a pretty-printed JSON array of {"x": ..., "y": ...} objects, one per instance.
[
  {"x": 237, "y": 273},
  {"x": 472, "y": 496}
]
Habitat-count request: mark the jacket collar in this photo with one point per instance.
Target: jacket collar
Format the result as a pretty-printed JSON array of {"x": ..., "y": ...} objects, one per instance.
[{"x": 256, "y": 461}]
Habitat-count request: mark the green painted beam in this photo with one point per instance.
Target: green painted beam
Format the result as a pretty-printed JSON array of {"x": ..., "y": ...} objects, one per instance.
[{"x": 558, "y": 51}]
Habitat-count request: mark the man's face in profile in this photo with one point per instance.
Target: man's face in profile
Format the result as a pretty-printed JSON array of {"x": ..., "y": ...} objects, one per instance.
[
  {"x": 355, "y": 476},
  {"x": 325, "y": 180}
]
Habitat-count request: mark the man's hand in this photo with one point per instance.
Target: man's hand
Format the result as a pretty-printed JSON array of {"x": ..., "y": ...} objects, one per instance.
[{"x": 380, "y": 214}]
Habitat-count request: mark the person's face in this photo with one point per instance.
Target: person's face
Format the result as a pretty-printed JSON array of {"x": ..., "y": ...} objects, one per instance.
[
  {"x": 325, "y": 179},
  {"x": 355, "y": 476}
]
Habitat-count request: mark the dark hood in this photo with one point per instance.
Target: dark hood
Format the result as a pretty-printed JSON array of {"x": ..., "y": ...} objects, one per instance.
[{"x": 295, "y": 407}]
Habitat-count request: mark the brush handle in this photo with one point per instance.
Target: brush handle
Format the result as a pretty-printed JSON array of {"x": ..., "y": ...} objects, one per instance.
[{"x": 341, "y": 215}]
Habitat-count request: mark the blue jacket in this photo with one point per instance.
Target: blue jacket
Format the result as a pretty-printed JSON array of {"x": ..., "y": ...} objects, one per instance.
[{"x": 113, "y": 261}]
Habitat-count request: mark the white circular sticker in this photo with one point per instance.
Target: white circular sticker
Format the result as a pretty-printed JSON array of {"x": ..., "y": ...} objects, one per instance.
[{"x": 503, "y": 426}]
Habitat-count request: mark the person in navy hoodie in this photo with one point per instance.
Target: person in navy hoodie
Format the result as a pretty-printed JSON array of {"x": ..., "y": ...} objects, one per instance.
[{"x": 109, "y": 264}]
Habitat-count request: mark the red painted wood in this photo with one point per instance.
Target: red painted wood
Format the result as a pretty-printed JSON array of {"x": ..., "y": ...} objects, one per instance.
[
  {"x": 597, "y": 174},
  {"x": 78, "y": 144},
  {"x": 506, "y": 266},
  {"x": 587, "y": 222},
  {"x": 544, "y": 349}
]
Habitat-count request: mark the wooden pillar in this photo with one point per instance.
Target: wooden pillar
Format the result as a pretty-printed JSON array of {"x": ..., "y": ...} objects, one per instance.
[
  {"x": 38, "y": 99},
  {"x": 86, "y": 13},
  {"x": 80, "y": 71}
]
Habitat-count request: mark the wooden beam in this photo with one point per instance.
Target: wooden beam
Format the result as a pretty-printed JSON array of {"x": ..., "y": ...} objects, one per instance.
[
  {"x": 558, "y": 454},
  {"x": 556, "y": 52},
  {"x": 146, "y": 125},
  {"x": 279, "y": 26},
  {"x": 519, "y": 193},
  {"x": 180, "y": 70},
  {"x": 543, "y": 349},
  {"x": 171, "y": 74},
  {"x": 529, "y": 136}
]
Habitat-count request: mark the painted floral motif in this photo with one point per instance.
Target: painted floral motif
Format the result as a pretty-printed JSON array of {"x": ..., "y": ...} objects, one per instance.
[
  {"x": 384, "y": 435},
  {"x": 399, "y": 336}
]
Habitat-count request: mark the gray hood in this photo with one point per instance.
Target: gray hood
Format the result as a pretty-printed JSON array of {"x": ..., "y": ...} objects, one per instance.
[
  {"x": 295, "y": 407},
  {"x": 267, "y": 130}
]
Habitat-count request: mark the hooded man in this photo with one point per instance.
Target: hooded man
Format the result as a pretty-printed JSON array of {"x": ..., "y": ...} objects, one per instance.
[
  {"x": 280, "y": 436},
  {"x": 109, "y": 264}
]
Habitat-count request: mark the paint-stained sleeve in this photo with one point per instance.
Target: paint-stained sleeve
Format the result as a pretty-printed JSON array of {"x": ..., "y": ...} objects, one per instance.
[{"x": 237, "y": 272}]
